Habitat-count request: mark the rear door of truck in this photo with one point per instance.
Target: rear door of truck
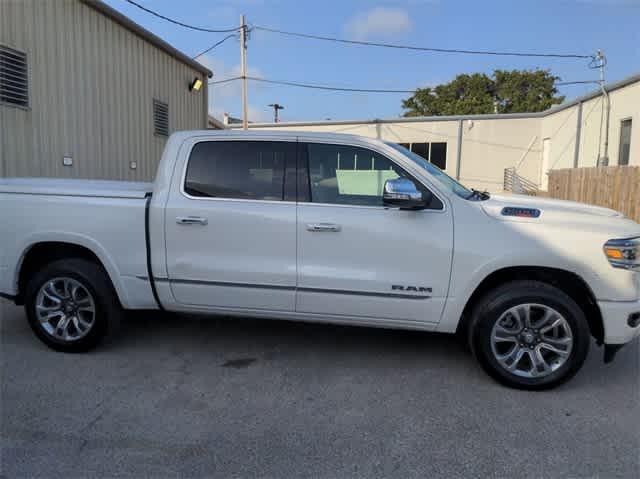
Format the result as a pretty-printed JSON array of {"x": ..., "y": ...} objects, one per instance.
[{"x": 230, "y": 227}]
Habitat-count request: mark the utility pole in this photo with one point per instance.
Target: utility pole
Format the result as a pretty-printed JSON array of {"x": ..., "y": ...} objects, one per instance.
[
  {"x": 606, "y": 108},
  {"x": 243, "y": 71},
  {"x": 276, "y": 107}
]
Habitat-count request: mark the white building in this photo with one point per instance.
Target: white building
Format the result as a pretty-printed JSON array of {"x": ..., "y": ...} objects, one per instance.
[{"x": 477, "y": 149}]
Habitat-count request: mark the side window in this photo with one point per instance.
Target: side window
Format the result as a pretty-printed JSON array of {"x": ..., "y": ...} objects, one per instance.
[
  {"x": 435, "y": 153},
  {"x": 239, "y": 169},
  {"x": 350, "y": 175},
  {"x": 439, "y": 155},
  {"x": 625, "y": 142},
  {"x": 421, "y": 149}
]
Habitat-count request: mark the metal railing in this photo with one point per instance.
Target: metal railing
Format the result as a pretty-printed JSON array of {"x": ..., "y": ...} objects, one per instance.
[{"x": 518, "y": 184}]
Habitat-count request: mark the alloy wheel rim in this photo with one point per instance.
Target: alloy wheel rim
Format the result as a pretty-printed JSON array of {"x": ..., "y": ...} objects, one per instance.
[
  {"x": 531, "y": 340},
  {"x": 65, "y": 309}
]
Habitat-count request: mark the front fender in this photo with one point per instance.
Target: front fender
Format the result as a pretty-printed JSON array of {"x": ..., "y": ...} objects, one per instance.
[{"x": 465, "y": 283}]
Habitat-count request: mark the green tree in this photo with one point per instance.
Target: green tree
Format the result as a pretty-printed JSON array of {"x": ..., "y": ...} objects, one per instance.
[{"x": 515, "y": 91}]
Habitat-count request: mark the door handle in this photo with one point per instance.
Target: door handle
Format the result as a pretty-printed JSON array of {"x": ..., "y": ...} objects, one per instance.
[
  {"x": 326, "y": 227},
  {"x": 191, "y": 220}
]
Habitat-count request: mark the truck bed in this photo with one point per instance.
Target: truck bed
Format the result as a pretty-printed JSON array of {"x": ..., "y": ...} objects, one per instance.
[
  {"x": 105, "y": 217},
  {"x": 64, "y": 187}
]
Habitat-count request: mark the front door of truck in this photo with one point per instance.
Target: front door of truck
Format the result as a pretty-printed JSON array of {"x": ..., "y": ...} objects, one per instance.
[{"x": 358, "y": 258}]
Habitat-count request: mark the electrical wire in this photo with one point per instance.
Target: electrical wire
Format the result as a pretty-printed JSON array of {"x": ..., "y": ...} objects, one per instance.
[
  {"x": 581, "y": 82},
  {"x": 427, "y": 49},
  {"x": 185, "y": 25},
  {"x": 350, "y": 89},
  {"x": 215, "y": 45},
  {"x": 326, "y": 87},
  {"x": 313, "y": 86},
  {"x": 226, "y": 80},
  {"x": 366, "y": 43}
]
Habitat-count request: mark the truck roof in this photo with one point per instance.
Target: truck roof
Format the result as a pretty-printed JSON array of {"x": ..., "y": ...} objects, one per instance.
[{"x": 276, "y": 134}]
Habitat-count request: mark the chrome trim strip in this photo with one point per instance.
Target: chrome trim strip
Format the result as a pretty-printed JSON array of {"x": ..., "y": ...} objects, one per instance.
[
  {"x": 362, "y": 293},
  {"x": 291, "y": 288},
  {"x": 226, "y": 284}
]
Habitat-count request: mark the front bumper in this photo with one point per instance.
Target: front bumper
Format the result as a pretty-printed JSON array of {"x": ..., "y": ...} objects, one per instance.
[
  {"x": 616, "y": 317},
  {"x": 621, "y": 325}
]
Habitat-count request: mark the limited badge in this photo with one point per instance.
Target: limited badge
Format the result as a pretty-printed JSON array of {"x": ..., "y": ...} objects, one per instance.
[{"x": 520, "y": 212}]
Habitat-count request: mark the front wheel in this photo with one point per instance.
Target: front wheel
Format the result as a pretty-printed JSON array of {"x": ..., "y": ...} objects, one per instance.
[
  {"x": 529, "y": 335},
  {"x": 71, "y": 305}
]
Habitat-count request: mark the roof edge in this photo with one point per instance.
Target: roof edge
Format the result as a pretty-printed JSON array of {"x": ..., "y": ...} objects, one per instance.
[
  {"x": 421, "y": 119},
  {"x": 411, "y": 119},
  {"x": 145, "y": 34},
  {"x": 594, "y": 94}
]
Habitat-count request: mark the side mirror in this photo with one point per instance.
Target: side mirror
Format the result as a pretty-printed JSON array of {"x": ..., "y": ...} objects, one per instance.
[{"x": 403, "y": 193}]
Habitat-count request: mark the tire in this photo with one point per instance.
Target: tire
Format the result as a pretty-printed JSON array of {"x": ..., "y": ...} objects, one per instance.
[
  {"x": 500, "y": 330},
  {"x": 82, "y": 292}
]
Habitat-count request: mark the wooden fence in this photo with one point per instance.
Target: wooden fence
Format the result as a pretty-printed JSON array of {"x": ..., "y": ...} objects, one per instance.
[{"x": 615, "y": 187}]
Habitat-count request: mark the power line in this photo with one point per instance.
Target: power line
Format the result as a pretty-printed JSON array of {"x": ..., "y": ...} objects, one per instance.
[
  {"x": 313, "y": 86},
  {"x": 185, "y": 25},
  {"x": 426, "y": 49},
  {"x": 580, "y": 82},
  {"x": 326, "y": 87},
  {"x": 350, "y": 89},
  {"x": 215, "y": 45},
  {"x": 226, "y": 80}
]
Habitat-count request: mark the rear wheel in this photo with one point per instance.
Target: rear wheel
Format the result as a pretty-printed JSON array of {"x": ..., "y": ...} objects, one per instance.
[
  {"x": 71, "y": 305},
  {"x": 529, "y": 335}
]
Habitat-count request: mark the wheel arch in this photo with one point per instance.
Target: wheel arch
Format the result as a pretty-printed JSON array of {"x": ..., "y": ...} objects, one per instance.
[
  {"x": 568, "y": 282},
  {"x": 41, "y": 252}
]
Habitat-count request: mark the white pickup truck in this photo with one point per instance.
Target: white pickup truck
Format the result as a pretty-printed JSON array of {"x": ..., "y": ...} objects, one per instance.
[{"x": 328, "y": 228}]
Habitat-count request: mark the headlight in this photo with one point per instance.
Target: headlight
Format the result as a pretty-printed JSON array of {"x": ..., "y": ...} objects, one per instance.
[{"x": 623, "y": 253}]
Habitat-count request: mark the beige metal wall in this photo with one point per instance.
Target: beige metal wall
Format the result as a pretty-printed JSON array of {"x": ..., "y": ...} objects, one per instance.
[
  {"x": 91, "y": 85},
  {"x": 560, "y": 129},
  {"x": 488, "y": 146}
]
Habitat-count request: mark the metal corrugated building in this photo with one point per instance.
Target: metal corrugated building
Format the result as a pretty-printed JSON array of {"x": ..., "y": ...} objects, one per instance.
[{"x": 80, "y": 83}]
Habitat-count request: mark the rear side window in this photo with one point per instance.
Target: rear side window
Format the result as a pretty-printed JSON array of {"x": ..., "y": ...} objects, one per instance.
[{"x": 251, "y": 170}]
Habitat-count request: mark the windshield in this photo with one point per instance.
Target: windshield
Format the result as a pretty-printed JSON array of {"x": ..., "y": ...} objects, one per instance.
[{"x": 445, "y": 180}]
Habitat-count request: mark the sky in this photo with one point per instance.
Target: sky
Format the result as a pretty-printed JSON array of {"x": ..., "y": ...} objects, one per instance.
[{"x": 548, "y": 26}]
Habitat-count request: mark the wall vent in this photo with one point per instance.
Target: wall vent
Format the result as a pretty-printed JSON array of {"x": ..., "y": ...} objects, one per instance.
[
  {"x": 14, "y": 79},
  {"x": 160, "y": 118}
]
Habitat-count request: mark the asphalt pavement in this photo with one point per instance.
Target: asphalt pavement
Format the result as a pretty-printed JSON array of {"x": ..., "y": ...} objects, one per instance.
[{"x": 200, "y": 397}]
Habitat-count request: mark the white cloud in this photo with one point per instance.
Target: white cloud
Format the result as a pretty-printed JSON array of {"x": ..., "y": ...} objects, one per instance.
[{"x": 379, "y": 21}]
